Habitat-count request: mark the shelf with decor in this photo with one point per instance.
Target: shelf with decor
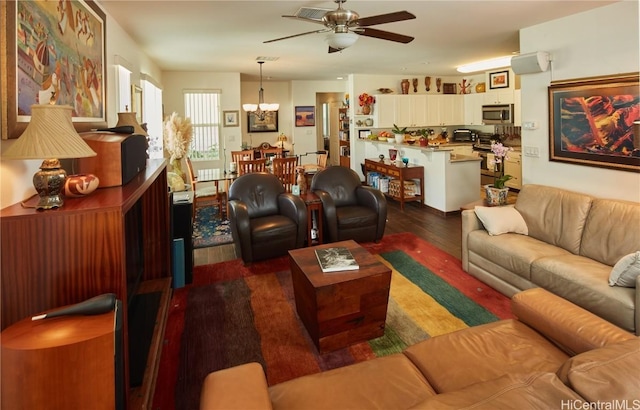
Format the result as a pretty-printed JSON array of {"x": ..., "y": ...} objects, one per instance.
[
  {"x": 343, "y": 129},
  {"x": 115, "y": 240},
  {"x": 402, "y": 175}
]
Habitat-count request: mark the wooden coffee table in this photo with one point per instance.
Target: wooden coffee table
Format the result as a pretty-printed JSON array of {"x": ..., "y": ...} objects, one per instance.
[{"x": 340, "y": 308}]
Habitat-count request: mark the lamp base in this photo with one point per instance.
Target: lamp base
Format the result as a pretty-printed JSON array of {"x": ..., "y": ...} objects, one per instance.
[{"x": 49, "y": 183}]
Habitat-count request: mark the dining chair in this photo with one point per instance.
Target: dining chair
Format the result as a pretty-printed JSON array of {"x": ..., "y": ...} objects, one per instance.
[
  {"x": 322, "y": 160},
  {"x": 252, "y": 165},
  {"x": 285, "y": 170},
  {"x": 271, "y": 152},
  {"x": 237, "y": 156},
  {"x": 205, "y": 195}
]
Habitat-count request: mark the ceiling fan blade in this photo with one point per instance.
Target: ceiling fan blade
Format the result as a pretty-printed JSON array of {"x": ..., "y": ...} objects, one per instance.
[
  {"x": 384, "y": 18},
  {"x": 385, "y": 35},
  {"x": 297, "y": 35}
]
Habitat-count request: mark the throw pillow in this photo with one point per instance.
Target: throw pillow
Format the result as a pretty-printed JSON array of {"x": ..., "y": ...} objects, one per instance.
[
  {"x": 175, "y": 182},
  {"x": 625, "y": 271},
  {"x": 501, "y": 219}
]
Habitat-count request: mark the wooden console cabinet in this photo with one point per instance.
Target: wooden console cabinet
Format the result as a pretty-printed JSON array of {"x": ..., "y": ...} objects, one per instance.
[
  {"x": 64, "y": 256},
  {"x": 402, "y": 174}
]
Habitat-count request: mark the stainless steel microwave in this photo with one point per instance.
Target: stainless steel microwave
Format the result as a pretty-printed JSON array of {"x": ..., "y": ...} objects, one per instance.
[{"x": 497, "y": 114}]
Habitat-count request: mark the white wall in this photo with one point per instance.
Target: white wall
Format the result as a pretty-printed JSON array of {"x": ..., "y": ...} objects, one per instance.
[
  {"x": 582, "y": 45},
  {"x": 16, "y": 176}
]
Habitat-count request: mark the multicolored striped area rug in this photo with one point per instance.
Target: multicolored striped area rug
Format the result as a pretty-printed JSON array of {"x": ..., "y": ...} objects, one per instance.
[{"x": 234, "y": 314}]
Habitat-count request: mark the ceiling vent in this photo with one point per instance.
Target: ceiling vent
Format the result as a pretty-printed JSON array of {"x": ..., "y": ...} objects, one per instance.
[{"x": 311, "y": 13}]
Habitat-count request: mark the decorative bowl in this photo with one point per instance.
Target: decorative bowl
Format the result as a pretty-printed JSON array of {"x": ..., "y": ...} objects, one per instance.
[
  {"x": 391, "y": 139},
  {"x": 410, "y": 141},
  {"x": 382, "y": 138},
  {"x": 80, "y": 185}
]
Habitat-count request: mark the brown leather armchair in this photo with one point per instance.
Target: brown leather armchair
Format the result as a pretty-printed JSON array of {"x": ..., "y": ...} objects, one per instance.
[
  {"x": 265, "y": 220},
  {"x": 351, "y": 210}
]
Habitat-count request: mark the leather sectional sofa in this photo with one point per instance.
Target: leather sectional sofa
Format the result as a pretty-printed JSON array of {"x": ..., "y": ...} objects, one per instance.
[
  {"x": 573, "y": 243},
  {"x": 555, "y": 355}
]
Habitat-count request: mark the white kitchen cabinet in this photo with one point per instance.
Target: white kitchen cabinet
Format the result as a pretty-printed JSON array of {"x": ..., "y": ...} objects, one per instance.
[
  {"x": 411, "y": 110},
  {"x": 384, "y": 111},
  {"x": 473, "y": 109},
  {"x": 513, "y": 167},
  {"x": 451, "y": 110},
  {"x": 499, "y": 96},
  {"x": 445, "y": 110}
]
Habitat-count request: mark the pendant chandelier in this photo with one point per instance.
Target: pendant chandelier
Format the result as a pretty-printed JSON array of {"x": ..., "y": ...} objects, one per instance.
[{"x": 261, "y": 108}]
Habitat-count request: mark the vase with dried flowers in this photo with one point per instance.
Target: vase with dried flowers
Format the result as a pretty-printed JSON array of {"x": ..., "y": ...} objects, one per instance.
[
  {"x": 365, "y": 100},
  {"x": 497, "y": 193},
  {"x": 177, "y": 134}
]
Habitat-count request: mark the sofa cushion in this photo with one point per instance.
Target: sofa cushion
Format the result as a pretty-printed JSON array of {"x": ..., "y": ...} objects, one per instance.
[
  {"x": 501, "y": 219},
  {"x": 607, "y": 374},
  {"x": 553, "y": 215},
  {"x": 583, "y": 281},
  {"x": 511, "y": 391},
  {"x": 388, "y": 382},
  {"x": 458, "y": 359},
  {"x": 611, "y": 231},
  {"x": 513, "y": 252},
  {"x": 625, "y": 271}
]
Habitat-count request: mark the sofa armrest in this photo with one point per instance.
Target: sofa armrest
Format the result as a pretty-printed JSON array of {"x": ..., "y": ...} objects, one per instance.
[
  {"x": 240, "y": 387},
  {"x": 573, "y": 328},
  {"x": 470, "y": 223}
]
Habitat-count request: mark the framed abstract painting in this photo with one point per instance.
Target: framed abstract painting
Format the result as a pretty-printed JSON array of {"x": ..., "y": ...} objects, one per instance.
[{"x": 596, "y": 122}]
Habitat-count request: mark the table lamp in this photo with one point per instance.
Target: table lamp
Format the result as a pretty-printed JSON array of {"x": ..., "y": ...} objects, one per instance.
[
  {"x": 129, "y": 118},
  {"x": 51, "y": 136},
  {"x": 282, "y": 139}
]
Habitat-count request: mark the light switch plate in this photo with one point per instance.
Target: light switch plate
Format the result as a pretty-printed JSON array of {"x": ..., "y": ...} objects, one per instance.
[{"x": 529, "y": 125}]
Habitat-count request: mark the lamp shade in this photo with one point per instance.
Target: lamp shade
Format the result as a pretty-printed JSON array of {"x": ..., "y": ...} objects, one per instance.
[
  {"x": 50, "y": 134},
  {"x": 341, "y": 40},
  {"x": 129, "y": 118}
]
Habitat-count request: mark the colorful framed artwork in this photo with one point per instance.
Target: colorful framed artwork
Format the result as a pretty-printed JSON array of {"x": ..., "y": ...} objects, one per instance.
[
  {"x": 231, "y": 118},
  {"x": 499, "y": 79},
  {"x": 268, "y": 124},
  {"x": 305, "y": 116},
  {"x": 55, "y": 53},
  {"x": 596, "y": 122}
]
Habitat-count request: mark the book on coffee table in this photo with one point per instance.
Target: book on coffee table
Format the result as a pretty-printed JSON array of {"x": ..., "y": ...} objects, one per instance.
[{"x": 336, "y": 259}]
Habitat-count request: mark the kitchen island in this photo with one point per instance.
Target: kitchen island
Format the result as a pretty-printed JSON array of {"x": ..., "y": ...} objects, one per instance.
[{"x": 450, "y": 180}]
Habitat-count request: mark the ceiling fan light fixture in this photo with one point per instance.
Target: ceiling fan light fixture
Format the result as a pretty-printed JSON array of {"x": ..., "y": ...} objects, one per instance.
[
  {"x": 484, "y": 65},
  {"x": 341, "y": 41},
  {"x": 261, "y": 108}
]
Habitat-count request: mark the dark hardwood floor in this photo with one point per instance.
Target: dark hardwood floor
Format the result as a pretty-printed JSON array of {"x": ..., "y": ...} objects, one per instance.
[{"x": 442, "y": 231}]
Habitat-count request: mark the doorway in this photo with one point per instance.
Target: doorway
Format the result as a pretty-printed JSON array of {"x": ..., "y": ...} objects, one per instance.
[{"x": 328, "y": 132}]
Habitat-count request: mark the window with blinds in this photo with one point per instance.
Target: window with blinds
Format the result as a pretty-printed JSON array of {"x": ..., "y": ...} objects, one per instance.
[{"x": 203, "y": 108}]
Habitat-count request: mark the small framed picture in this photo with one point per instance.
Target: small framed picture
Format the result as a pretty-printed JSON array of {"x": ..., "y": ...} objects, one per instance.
[
  {"x": 230, "y": 118},
  {"x": 499, "y": 79},
  {"x": 364, "y": 134}
]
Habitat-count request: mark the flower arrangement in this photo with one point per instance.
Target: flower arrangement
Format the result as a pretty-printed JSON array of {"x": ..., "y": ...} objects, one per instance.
[
  {"x": 500, "y": 153},
  {"x": 177, "y": 133},
  {"x": 366, "y": 99}
]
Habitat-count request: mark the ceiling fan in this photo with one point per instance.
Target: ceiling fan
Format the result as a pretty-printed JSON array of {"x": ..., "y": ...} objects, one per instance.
[{"x": 344, "y": 26}]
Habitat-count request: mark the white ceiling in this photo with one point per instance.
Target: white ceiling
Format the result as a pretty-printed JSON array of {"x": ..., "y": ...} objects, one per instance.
[{"x": 227, "y": 36}]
